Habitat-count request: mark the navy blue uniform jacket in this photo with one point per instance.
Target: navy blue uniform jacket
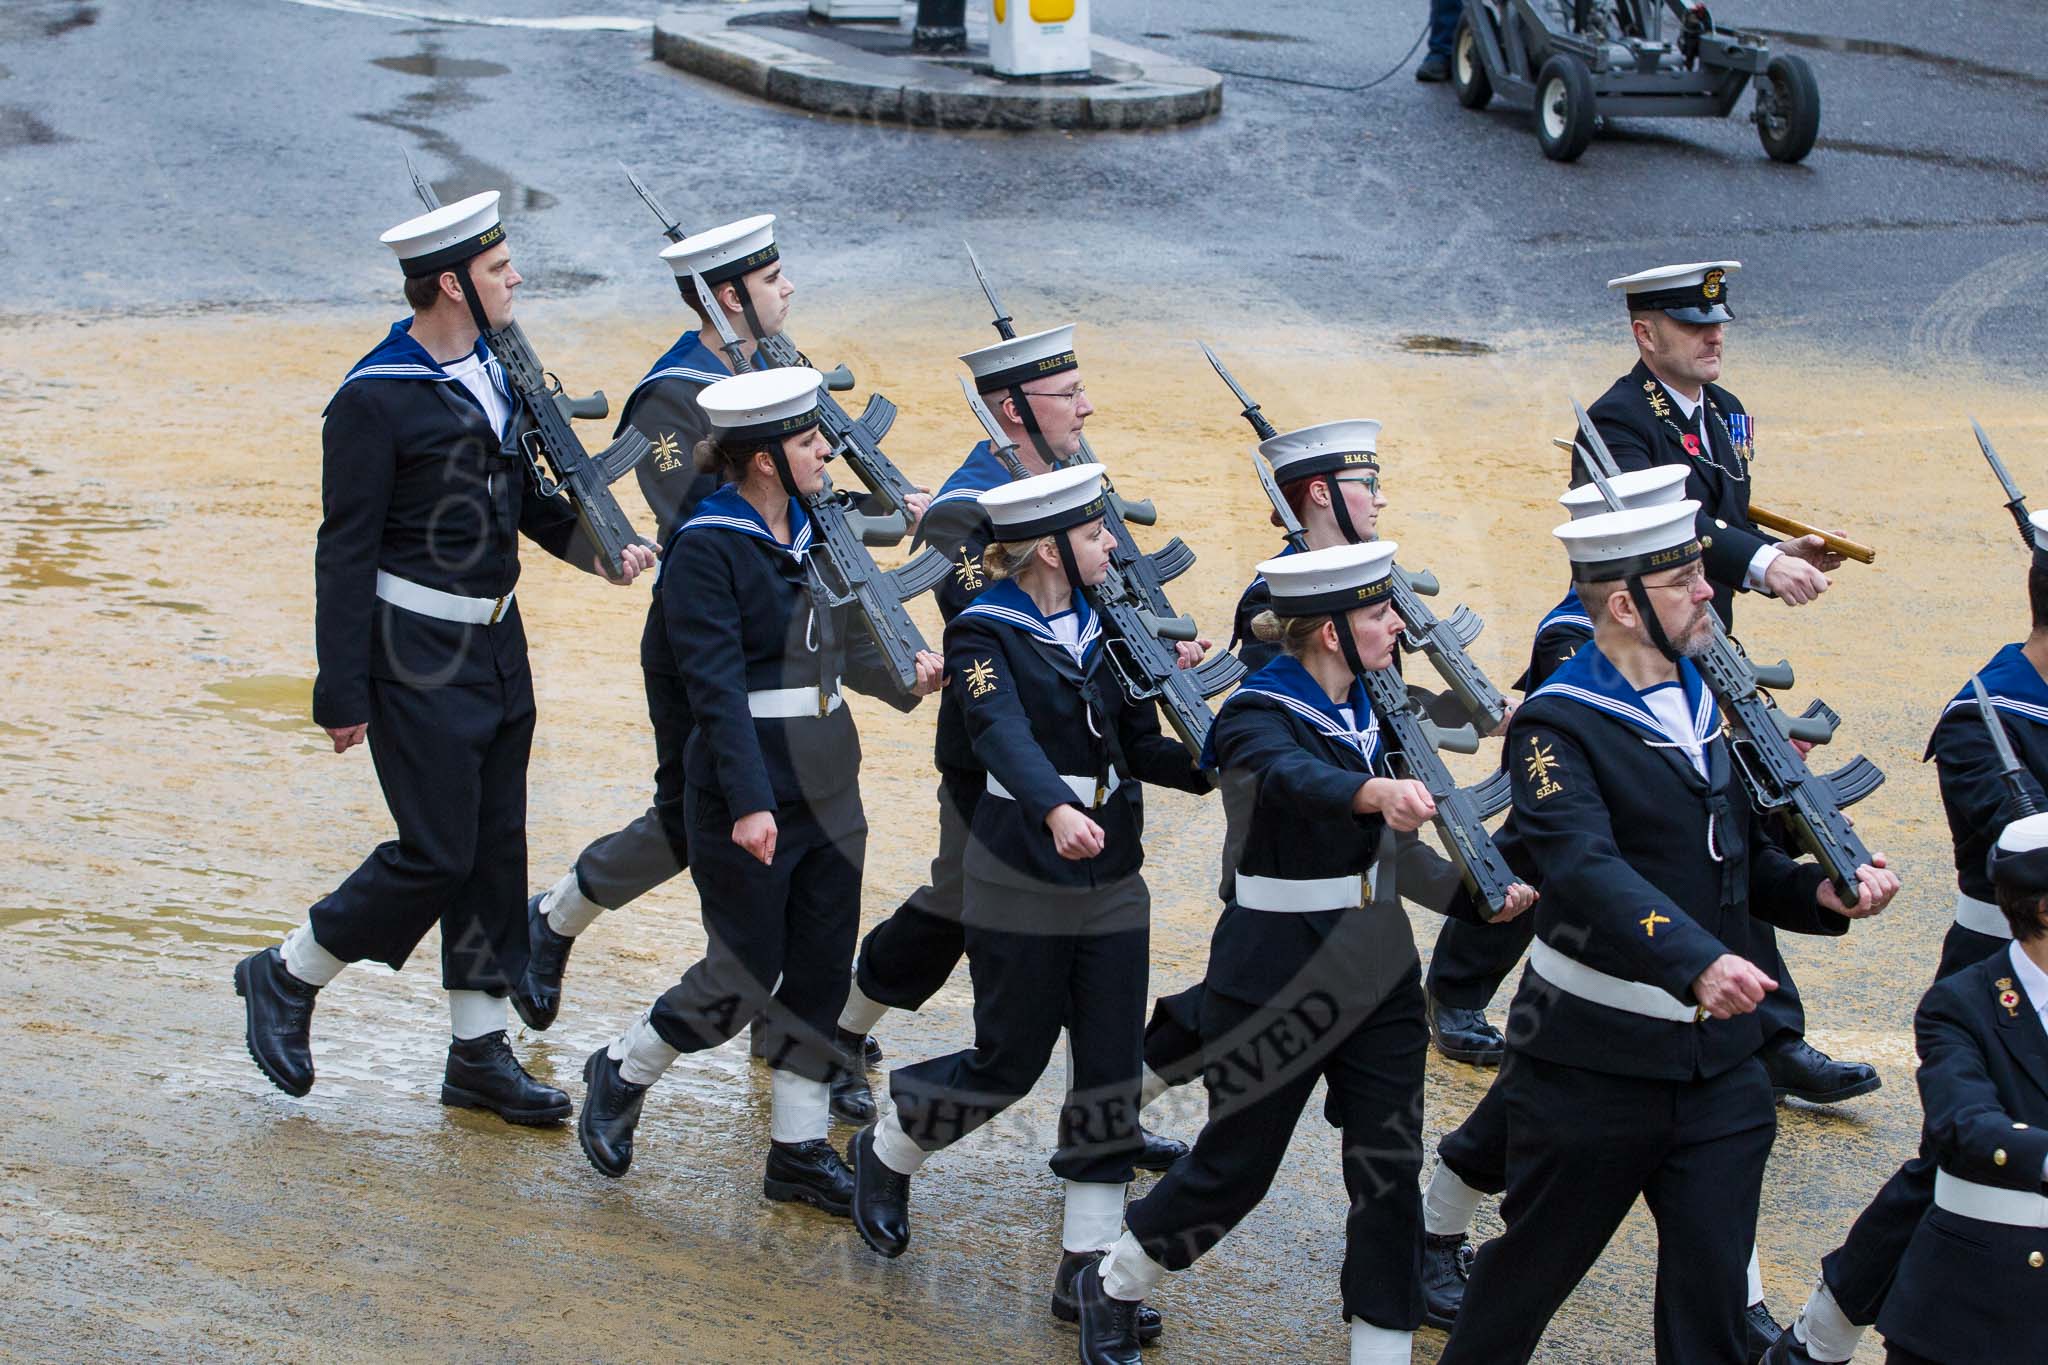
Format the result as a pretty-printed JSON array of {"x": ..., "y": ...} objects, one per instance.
[
  {"x": 1621, "y": 839},
  {"x": 1033, "y": 713},
  {"x": 1973, "y": 791},
  {"x": 742, "y": 618},
  {"x": 415, "y": 482}
]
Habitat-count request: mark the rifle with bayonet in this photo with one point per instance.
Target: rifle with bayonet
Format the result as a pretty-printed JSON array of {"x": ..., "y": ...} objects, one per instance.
[
  {"x": 1135, "y": 639},
  {"x": 2015, "y": 501},
  {"x": 549, "y": 438},
  {"x": 857, "y": 440},
  {"x": 1148, "y": 574},
  {"x": 844, "y": 573},
  {"x": 1776, "y": 777},
  {"x": 2009, "y": 769},
  {"x": 1443, "y": 641}
]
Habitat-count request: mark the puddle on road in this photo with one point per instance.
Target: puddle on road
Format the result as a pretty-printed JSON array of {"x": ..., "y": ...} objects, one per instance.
[
  {"x": 1930, "y": 157},
  {"x": 274, "y": 701},
  {"x": 1872, "y": 47},
  {"x": 436, "y": 67},
  {"x": 81, "y": 16},
  {"x": 51, "y": 540},
  {"x": 1424, "y": 344},
  {"x": 20, "y": 128},
  {"x": 1244, "y": 35}
]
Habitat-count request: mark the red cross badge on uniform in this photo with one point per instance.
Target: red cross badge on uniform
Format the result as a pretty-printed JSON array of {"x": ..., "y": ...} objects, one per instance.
[{"x": 1692, "y": 444}]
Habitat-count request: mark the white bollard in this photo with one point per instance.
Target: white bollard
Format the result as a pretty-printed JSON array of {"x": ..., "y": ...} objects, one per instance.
[
  {"x": 1038, "y": 37},
  {"x": 834, "y": 11}
]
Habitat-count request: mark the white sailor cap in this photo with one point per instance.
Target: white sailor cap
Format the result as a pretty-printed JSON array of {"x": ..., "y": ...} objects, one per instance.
[
  {"x": 1319, "y": 582},
  {"x": 446, "y": 236},
  {"x": 1012, "y": 362},
  {"x": 724, "y": 253},
  {"x": 1636, "y": 540},
  {"x": 1696, "y": 292},
  {"x": 2019, "y": 856},
  {"x": 2037, "y": 523},
  {"x": 1652, "y": 487},
  {"x": 1323, "y": 449},
  {"x": 762, "y": 404},
  {"x": 1029, "y": 508}
]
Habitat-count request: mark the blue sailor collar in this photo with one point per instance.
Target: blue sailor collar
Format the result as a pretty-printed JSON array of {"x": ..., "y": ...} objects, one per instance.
[
  {"x": 980, "y": 472},
  {"x": 2015, "y": 685},
  {"x": 726, "y": 510},
  {"x": 1259, "y": 579},
  {"x": 1570, "y": 612},
  {"x": 1284, "y": 680},
  {"x": 1590, "y": 680},
  {"x": 1009, "y": 604},
  {"x": 398, "y": 356},
  {"x": 689, "y": 360}
]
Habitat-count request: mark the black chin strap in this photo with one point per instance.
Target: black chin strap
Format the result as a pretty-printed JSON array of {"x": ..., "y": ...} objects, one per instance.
[
  {"x": 739, "y": 286},
  {"x": 1345, "y": 644},
  {"x": 1641, "y": 597},
  {"x": 1066, "y": 549},
  {"x": 1343, "y": 515},
  {"x": 1030, "y": 420},
  {"x": 782, "y": 470}
]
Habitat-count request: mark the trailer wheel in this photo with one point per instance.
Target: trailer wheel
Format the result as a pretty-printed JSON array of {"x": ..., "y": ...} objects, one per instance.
[
  {"x": 1564, "y": 107},
  {"x": 1787, "y": 108},
  {"x": 1468, "y": 69}
]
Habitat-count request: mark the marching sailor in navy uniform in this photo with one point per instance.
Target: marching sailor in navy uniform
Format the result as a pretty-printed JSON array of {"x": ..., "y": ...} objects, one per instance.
[
  {"x": 1308, "y": 978},
  {"x": 772, "y": 795},
  {"x": 1857, "y": 1277},
  {"x": 423, "y": 653},
  {"x": 1472, "y": 959},
  {"x": 1969, "y": 1287},
  {"x": 1055, "y": 908},
  {"x": 1632, "y": 1064},
  {"x": 742, "y": 264},
  {"x": 1034, "y": 389},
  {"x": 1669, "y": 410}
]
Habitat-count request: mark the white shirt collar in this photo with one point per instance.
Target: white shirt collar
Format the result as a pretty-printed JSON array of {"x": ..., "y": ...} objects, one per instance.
[
  {"x": 2032, "y": 979},
  {"x": 1688, "y": 406}
]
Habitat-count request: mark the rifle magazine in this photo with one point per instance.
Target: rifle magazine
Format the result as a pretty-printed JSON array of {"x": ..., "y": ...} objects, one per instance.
[
  {"x": 923, "y": 573},
  {"x": 1172, "y": 559},
  {"x": 621, "y": 455},
  {"x": 877, "y": 417},
  {"x": 1217, "y": 673},
  {"x": 1854, "y": 780},
  {"x": 1494, "y": 795}
]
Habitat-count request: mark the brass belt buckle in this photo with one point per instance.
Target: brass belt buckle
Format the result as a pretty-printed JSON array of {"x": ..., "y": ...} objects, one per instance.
[
  {"x": 498, "y": 609},
  {"x": 1699, "y": 1014},
  {"x": 1101, "y": 791}
]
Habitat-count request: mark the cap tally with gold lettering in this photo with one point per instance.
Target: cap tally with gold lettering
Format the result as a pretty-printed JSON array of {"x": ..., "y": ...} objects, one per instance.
[
  {"x": 762, "y": 404},
  {"x": 1044, "y": 503},
  {"x": 1320, "y": 582},
  {"x": 2019, "y": 856},
  {"x": 442, "y": 238},
  {"x": 1652, "y": 487},
  {"x": 1323, "y": 449},
  {"x": 725, "y": 252},
  {"x": 1697, "y": 292},
  {"x": 1022, "y": 359},
  {"x": 1637, "y": 540}
]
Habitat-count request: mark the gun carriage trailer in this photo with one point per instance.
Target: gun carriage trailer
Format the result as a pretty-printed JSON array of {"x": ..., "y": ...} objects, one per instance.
[{"x": 1574, "y": 62}]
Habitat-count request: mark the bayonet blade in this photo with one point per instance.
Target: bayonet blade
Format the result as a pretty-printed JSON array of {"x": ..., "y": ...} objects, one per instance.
[
  {"x": 1216, "y": 364},
  {"x": 1001, "y": 446},
  {"x": 2012, "y": 492},
  {"x": 988, "y": 291},
  {"x": 2007, "y": 760},
  {"x": 671, "y": 228},
  {"x": 735, "y": 359},
  {"x": 1599, "y": 460},
  {"x": 420, "y": 186}
]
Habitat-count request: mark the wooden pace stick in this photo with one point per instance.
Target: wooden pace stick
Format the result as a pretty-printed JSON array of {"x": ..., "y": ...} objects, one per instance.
[{"x": 1784, "y": 525}]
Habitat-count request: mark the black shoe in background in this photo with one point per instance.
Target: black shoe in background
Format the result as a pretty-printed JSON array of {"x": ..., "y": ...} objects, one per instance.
[
  {"x": 279, "y": 1022},
  {"x": 611, "y": 1110},
  {"x": 809, "y": 1173},
  {"x": 483, "y": 1074},
  {"x": 538, "y": 996}
]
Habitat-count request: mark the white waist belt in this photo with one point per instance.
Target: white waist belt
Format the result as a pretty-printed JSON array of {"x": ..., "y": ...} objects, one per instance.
[
  {"x": 1300, "y": 895},
  {"x": 1988, "y": 1203},
  {"x": 444, "y": 606},
  {"x": 1982, "y": 916},
  {"x": 1637, "y": 997},
  {"x": 1082, "y": 787},
  {"x": 787, "y": 703}
]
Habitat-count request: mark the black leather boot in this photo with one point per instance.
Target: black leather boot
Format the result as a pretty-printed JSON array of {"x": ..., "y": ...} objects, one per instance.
[
  {"x": 538, "y": 996},
  {"x": 852, "y": 1100},
  {"x": 611, "y": 1110},
  {"x": 1803, "y": 1071},
  {"x": 483, "y": 1074},
  {"x": 279, "y": 1009},
  {"x": 1787, "y": 1350},
  {"x": 1066, "y": 1308},
  {"x": 1160, "y": 1151},
  {"x": 871, "y": 1051},
  {"x": 881, "y": 1197},
  {"x": 1109, "y": 1327},
  {"x": 809, "y": 1173},
  {"x": 1446, "y": 1266},
  {"x": 1759, "y": 1331},
  {"x": 1464, "y": 1035}
]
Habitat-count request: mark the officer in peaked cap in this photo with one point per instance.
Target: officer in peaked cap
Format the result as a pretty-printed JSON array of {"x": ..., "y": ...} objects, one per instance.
[
  {"x": 422, "y": 652},
  {"x": 1632, "y": 1067},
  {"x": 1671, "y": 410}
]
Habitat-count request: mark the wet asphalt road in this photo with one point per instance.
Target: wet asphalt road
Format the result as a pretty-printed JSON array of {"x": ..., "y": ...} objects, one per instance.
[{"x": 214, "y": 154}]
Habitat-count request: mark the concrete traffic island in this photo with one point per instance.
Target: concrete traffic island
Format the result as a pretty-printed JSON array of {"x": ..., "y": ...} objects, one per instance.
[{"x": 868, "y": 71}]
